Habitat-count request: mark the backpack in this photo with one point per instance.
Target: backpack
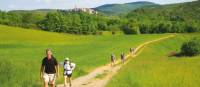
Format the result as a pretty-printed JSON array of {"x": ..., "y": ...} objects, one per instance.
[{"x": 72, "y": 65}]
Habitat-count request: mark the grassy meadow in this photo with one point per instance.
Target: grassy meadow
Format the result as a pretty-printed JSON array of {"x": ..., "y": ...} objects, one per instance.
[
  {"x": 22, "y": 50},
  {"x": 154, "y": 68}
]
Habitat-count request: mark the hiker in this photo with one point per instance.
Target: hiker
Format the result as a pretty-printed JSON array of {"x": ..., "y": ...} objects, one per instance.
[
  {"x": 132, "y": 50},
  {"x": 68, "y": 68},
  {"x": 112, "y": 60},
  {"x": 122, "y": 58},
  {"x": 49, "y": 69}
]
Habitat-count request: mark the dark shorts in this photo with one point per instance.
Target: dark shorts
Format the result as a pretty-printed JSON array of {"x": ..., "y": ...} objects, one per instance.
[
  {"x": 68, "y": 75},
  {"x": 112, "y": 59}
]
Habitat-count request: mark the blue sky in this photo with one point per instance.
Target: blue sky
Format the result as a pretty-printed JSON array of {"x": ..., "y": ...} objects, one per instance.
[{"x": 6, "y": 5}]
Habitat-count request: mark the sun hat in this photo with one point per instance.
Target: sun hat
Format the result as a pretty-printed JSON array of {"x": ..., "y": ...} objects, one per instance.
[{"x": 66, "y": 58}]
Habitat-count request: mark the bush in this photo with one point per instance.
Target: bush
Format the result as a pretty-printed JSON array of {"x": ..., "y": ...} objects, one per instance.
[{"x": 191, "y": 48}]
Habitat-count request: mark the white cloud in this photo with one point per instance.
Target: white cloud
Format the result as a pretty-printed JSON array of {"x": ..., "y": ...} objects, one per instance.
[{"x": 12, "y": 6}]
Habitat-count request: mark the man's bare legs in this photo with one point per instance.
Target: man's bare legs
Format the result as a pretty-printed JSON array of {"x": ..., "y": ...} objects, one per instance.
[
  {"x": 45, "y": 84},
  {"x": 52, "y": 85}
]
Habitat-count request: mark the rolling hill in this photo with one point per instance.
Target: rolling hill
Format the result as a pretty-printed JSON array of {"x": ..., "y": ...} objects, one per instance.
[
  {"x": 172, "y": 12},
  {"x": 108, "y": 9},
  {"x": 179, "y": 18},
  {"x": 123, "y": 8}
]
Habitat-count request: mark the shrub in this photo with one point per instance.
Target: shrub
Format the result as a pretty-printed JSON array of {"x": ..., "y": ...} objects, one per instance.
[{"x": 191, "y": 48}]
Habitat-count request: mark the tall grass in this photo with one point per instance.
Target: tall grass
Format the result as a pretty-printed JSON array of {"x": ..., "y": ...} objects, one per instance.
[
  {"x": 21, "y": 52},
  {"x": 153, "y": 67}
]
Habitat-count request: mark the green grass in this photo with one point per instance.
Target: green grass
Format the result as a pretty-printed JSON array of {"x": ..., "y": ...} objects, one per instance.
[
  {"x": 21, "y": 52},
  {"x": 153, "y": 67}
]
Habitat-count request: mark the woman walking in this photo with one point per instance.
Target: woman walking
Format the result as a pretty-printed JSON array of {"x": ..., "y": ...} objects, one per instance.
[{"x": 68, "y": 69}]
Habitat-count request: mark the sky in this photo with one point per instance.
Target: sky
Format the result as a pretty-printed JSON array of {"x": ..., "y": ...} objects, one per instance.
[{"x": 7, "y": 5}]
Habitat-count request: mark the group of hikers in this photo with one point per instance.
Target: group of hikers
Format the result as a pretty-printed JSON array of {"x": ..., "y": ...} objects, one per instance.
[
  {"x": 122, "y": 57},
  {"x": 50, "y": 68}
]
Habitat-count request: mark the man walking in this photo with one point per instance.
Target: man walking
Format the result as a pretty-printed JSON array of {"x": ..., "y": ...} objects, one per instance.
[
  {"x": 112, "y": 59},
  {"x": 49, "y": 69},
  {"x": 122, "y": 58},
  {"x": 132, "y": 50}
]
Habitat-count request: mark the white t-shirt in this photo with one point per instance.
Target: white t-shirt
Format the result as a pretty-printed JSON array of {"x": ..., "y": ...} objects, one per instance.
[{"x": 69, "y": 68}]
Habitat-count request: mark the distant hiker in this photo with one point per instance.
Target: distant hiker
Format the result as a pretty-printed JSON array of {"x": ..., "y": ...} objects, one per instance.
[
  {"x": 123, "y": 58},
  {"x": 112, "y": 59},
  {"x": 68, "y": 69},
  {"x": 132, "y": 50},
  {"x": 49, "y": 69}
]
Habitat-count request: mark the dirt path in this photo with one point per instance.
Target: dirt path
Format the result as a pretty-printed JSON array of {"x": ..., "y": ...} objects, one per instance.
[{"x": 101, "y": 75}]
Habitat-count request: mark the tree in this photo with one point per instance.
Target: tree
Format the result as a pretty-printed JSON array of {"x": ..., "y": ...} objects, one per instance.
[
  {"x": 52, "y": 23},
  {"x": 144, "y": 28},
  {"x": 191, "y": 27},
  {"x": 102, "y": 26},
  {"x": 131, "y": 28},
  {"x": 164, "y": 27},
  {"x": 13, "y": 19},
  {"x": 178, "y": 27},
  {"x": 113, "y": 21},
  {"x": 29, "y": 20}
]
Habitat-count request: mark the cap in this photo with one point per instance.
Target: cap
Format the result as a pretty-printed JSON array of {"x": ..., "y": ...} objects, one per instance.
[{"x": 67, "y": 58}]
